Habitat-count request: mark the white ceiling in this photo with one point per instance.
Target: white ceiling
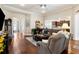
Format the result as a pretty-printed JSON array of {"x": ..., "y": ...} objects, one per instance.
[{"x": 37, "y": 8}]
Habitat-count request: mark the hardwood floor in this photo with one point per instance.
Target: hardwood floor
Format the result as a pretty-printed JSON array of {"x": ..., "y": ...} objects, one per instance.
[
  {"x": 73, "y": 47},
  {"x": 21, "y": 46}
]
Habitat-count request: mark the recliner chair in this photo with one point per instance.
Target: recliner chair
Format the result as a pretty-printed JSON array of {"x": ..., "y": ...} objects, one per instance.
[{"x": 56, "y": 45}]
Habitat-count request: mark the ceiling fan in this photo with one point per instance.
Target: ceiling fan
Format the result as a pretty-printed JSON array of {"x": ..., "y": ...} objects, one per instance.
[{"x": 43, "y": 6}]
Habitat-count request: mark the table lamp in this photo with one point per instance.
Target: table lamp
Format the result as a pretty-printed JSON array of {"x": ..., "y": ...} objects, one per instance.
[{"x": 65, "y": 26}]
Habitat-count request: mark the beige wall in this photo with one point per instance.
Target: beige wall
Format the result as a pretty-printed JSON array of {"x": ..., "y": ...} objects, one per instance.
[
  {"x": 62, "y": 15},
  {"x": 22, "y": 18},
  {"x": 34, "y": 17},
  {"x": 58, "y": 15},
  {"x": 74, "y": 21}
]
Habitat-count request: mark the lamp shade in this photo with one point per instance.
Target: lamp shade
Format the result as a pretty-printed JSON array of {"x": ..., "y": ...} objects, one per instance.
[{"x": 65, "y": 26}]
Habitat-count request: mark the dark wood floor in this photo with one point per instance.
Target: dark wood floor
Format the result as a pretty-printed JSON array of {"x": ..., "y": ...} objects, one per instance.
[
  {"x": 74, "y": 47},
  {"x": 21, "y": 46}
]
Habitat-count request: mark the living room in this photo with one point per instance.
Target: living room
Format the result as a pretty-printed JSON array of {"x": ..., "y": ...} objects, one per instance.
[{"x": 26, "y": 18}]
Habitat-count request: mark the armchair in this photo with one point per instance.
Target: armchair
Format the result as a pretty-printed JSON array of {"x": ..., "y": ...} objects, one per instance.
[{"x": 56, "y": 44}]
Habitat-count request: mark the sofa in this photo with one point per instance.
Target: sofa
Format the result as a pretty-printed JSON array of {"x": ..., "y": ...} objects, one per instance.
[{"x": 56, "y": 44}]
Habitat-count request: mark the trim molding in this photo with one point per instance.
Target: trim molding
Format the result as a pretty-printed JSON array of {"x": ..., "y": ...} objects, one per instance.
[{"x": 13, "y": 9}]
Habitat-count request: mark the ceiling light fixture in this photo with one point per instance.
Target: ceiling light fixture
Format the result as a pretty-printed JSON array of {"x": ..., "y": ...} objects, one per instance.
[{"x": 43, "y": 6}]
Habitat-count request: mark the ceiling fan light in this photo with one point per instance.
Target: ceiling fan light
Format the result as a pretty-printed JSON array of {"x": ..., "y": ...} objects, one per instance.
[{"x": 43, "y": 6}]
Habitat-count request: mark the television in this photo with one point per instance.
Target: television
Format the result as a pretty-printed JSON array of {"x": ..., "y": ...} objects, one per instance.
[{"x": 2, "y": 16}]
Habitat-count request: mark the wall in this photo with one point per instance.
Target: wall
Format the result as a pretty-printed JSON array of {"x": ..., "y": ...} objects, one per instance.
[
  {"x": 17, "y": 17},
  {"x": 34, "y": 17},
  {"x": 22, "y": 18},
  {"x": 76, "y": 22},
  {"x": 37, "y": 16},
  {"x": 58, "y": 15},
  {"x": 61, "y": 15}
]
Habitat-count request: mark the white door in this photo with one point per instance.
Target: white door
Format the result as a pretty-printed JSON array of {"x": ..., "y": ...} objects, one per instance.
[{"x": 15, "y": 25}]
